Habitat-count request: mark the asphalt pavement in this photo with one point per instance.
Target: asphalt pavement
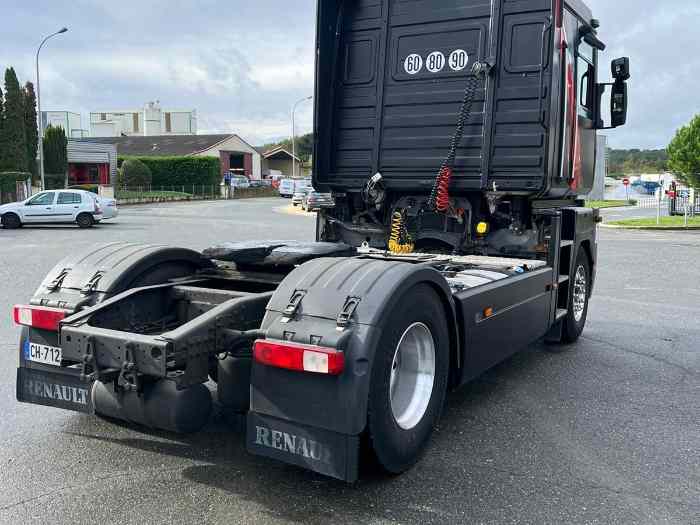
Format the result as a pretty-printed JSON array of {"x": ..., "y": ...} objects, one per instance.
[{"x": 607, "y": 431}]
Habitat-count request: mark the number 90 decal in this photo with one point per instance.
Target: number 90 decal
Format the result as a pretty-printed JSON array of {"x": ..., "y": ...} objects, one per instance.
[
  {"x": 458, "y": 59},
  {"x": 435, "y": 62}
]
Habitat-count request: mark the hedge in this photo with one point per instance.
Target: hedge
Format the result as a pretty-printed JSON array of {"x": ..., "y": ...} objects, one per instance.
[
  {"x": 181, "y": 171},
  {"x": 9, "y": 179}
]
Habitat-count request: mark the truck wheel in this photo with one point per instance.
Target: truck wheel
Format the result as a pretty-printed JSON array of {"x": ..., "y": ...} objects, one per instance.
[
  {"x": 11, "y": 221},
  {"x": 409, "y": 379},
  {"x": 575, "y": 320},
  {"x": 85, "y": 220}
]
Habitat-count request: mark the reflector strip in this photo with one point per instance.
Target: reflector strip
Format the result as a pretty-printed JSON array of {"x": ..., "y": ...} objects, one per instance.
[
  {"x": 300, "y": 357},
  {"x": 38, "y": 316}
]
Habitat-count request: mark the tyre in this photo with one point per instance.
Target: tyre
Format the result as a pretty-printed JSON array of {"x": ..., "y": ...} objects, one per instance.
[
  {"x": 85, "y": 220},
  {"x": 580, "y": 293},
  {"x": 11, "y": 221},
  {"x": 409, "y": 380}
]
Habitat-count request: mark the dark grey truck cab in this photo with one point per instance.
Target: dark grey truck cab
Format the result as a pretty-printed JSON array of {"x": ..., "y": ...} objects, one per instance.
[{"x": 457, "y": 138}]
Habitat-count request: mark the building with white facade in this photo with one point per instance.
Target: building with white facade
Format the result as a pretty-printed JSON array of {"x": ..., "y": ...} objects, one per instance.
[
  {"x": 70, "y": 122},
  {"x": 149, "y": 121}
]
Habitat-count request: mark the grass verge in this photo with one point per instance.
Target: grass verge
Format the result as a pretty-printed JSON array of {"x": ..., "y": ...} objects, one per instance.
[
  {"x": 650, "y": 222},
  {"x": 610, "y": 204}
]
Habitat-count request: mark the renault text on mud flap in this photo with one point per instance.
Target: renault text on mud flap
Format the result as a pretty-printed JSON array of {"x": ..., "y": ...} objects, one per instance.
[
  {"x": 55, "y": 392},
  {"x": 299, "y": 446}
]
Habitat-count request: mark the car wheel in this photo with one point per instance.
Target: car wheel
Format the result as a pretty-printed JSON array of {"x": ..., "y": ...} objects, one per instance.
[
  {"x": 409, "y": 380},
  {"x": 85, "y": 220},
  {"x": 11, "y": 221}
]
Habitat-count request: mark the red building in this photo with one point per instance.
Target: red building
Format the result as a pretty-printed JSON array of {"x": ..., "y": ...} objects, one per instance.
[{"x": 91, "y": 163}]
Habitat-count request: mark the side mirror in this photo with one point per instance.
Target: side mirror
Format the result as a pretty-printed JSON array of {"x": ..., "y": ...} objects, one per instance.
[
  {"x": 618, "y": 104},
  {"x": 621, "y": 69},
  {"x": 618, "y": 97}
]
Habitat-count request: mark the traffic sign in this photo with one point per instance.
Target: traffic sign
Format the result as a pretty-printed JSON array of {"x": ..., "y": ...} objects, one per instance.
[{"x": 626, "y": 182}]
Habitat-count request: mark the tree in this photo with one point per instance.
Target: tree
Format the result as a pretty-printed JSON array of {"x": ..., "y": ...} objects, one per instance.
[
  {"x": 684, "y": 153},
  {"x": 2, "y": 137},
  {"x": 55, "y": 156},
  {"x": 303, "y": 144},
  {"x": 30, "y": 127},
  {"x": 13, "y": 134},
  {"x": 135, "y": 173}
]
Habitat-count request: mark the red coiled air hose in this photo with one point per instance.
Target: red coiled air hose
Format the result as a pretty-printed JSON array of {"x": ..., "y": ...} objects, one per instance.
[{"x": 442, "y": 198}]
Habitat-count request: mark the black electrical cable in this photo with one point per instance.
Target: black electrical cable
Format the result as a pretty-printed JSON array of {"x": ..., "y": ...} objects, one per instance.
[{"x": 465, "y": 111}]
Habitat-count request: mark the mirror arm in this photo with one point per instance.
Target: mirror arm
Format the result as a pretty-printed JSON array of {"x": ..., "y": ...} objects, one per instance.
[
  {"x": 587, "y": 34},
  {"x": 600, "y": 91}
]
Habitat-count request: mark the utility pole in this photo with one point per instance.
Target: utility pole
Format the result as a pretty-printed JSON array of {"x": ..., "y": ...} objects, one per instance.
[
  {"x": 38, "y": 103},
  {"x": 294, "y": 148}
]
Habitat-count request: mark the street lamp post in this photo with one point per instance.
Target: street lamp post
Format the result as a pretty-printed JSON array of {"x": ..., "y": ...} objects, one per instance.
[
  {"x": 294, "y": 148},
  {"x": 38, "y": 103}
]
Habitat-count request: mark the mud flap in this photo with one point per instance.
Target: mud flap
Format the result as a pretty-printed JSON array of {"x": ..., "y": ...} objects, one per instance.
[
  {"x": 59, "y": 390},
  {"x": 322, "y": 451}
]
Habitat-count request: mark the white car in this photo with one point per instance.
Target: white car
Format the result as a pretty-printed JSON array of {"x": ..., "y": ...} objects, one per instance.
[{"x": 51, "y": 207}]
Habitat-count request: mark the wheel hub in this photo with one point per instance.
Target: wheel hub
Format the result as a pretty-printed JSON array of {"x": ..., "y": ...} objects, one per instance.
[
  {"x": 412, "y": 375},
  {"x": 580, "y": 293}
]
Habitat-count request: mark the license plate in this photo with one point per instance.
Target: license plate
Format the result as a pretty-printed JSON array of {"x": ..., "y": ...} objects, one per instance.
[{"x": 38, "y": 353}]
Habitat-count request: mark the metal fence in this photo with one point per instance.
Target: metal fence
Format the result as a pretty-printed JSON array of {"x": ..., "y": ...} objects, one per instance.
[
  {"x": 144, "y": 194},
  {"x": 683, "y": 206},
  {"x": 651, "y": 202}
]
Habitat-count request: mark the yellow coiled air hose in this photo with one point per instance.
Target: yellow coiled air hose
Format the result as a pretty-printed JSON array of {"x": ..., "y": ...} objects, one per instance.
[{"x": 399, "y": 240}]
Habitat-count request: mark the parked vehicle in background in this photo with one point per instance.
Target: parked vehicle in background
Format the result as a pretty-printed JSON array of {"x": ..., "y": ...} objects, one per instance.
[
  {"x": 315, "y": 200},
  {"x": 239, "y": 181},
  {"x": 300, "y": 195},
  {"x": 286, "y": 188},
  {"x": 302, "y": 184},
  {"x": 55, "y": 206}
]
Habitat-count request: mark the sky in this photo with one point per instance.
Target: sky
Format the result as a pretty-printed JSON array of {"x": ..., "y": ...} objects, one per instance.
[{"x": 242, "y": 64}]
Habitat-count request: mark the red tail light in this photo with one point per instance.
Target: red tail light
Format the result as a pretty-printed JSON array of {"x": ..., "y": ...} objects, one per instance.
[
  {"x": 38, "y": 317},
  {"x": 296, "y": 356}
]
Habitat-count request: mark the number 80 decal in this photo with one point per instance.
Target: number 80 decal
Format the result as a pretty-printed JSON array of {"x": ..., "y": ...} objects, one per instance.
[{"x": 435, "y": 62}]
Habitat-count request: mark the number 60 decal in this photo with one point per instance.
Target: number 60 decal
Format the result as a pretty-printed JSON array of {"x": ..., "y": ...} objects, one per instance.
[{"x": 435, "y": 62}]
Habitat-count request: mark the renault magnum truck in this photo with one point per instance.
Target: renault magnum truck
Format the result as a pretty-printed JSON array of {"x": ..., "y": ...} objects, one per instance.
[{"x": 457, "y": 138}]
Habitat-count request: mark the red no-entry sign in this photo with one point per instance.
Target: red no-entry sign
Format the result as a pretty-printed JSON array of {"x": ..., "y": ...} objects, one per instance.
[{"x": 626, "y": 182}]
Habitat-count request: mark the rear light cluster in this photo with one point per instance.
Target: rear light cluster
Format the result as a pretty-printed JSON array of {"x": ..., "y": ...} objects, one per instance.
[
  {"x": 300, "y": 357},
  {"x": 38, "y": 316}
]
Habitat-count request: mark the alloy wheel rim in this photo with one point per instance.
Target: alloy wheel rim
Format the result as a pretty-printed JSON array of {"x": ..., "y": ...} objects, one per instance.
[
  {"x": 580, "y": 293},
  {"x": 412, "y": 376}
]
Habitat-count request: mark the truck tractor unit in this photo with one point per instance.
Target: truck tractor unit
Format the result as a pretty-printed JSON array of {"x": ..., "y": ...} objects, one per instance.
[{"x": 457, "y": 138}]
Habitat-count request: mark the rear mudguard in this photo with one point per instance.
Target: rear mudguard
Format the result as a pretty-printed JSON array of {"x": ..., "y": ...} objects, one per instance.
[
  {"x": 341, "y": 304},
  {"x": 92, "y": 276},
  {"x": 88, "y": 277}
]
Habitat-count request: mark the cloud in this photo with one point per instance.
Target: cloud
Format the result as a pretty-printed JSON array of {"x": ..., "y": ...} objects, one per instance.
[{"x": 243, "y": 64}]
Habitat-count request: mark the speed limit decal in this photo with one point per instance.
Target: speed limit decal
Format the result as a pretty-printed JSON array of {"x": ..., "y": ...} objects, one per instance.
[
  {"x": 413, "y": 64},
  {"x": 435, "y": 62},
  {"x": 458, "y": 59}
]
